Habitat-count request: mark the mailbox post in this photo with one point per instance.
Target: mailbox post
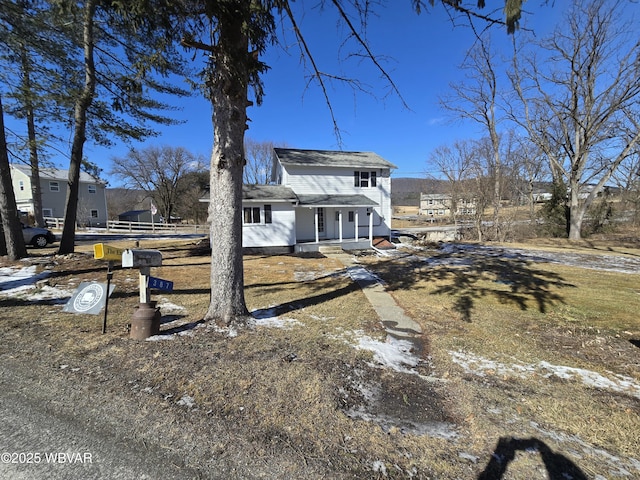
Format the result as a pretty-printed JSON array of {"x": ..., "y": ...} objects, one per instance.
[{"x": 146, "y": 319}]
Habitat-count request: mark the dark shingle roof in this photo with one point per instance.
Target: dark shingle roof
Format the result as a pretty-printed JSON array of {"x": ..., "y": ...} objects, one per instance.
[
  {"x": 331, "y": 158},
  {"x": 271, "y": 193},
  {"x": 323, "y": 200},
  {"x": 267, "y": 192}
]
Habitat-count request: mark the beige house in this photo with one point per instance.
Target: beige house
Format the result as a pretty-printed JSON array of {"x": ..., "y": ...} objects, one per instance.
[
  {"x": 438, "y": 206},
  {"x": 92, "y": 201}
]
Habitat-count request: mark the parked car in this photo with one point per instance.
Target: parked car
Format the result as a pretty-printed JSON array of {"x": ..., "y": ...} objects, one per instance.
[{"x": 36, "y": 236}]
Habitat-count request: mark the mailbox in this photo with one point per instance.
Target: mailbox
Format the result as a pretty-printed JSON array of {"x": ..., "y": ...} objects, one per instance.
[{"x": 141, "y": 258}]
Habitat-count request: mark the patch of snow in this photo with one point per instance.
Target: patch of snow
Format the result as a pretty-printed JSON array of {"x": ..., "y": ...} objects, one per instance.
[
  {"x": 14, "y": 282},
  {"x": 267, "y": 317},
  {"x": 322, "y": 318},
  {"x": 311, "y": 275},
  {"x": 187, "y": 401},
  {"x": 379, "y": 467},
  {"x": 480, "y": 366},
  {"x": 361, "y": 274},
  {"x": 432, "y": 429},
  {"x": 166, "y": 307},
  {"x": 393, "y": 353},
  {"x": 618, "y": 466},
  {"x": 458, "y": 254}
]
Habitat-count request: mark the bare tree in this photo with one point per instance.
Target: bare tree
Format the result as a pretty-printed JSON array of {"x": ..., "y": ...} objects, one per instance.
[
  {"x": 580, "y": 100},
  {"x": 192, "y": 187},
  {"x": 158, "y": 171},
  {"x": 530, "y": 165},
  {"x": 454, "y": 163},
  {"x": 257, "y": 170},
  {"x": 476, "y": 99}
]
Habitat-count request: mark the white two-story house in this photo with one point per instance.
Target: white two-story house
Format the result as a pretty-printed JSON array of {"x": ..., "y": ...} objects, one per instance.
[
  {"x": 92, "y": 201},
  {"x": 319, "y": 197}
]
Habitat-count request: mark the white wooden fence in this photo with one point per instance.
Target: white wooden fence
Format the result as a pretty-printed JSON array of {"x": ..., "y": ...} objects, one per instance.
[{"x": 137, "y": 227}]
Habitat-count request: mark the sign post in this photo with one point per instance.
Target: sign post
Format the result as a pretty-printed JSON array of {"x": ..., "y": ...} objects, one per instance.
[
  {"x": 106, "y": 301},
  {"x": 102, "y": 251}
]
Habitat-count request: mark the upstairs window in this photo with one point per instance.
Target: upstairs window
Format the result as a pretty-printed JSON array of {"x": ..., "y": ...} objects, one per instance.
[
  {"x": 54, "y": 187},
  {"x": 92, "y": 189},
  {"x": 365, "y": 179}
]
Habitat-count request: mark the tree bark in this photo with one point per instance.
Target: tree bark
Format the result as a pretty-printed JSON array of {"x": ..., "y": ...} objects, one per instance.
[
  {"x": 228, "y": 94},
  {"x": 67, "y": 241},
  {"x": 14, "y": 242},
  {"x": 36, "y": 193}
]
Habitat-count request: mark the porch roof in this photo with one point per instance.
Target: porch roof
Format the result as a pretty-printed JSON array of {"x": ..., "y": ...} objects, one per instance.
[{"x": 325, "y": 200}]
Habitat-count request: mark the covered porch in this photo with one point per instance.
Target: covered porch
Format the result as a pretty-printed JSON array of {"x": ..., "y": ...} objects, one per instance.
[{"x": 345, "y": 221}]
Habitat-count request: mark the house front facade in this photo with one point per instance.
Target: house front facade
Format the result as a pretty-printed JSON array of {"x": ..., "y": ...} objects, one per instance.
[
  {"x": 342, "y": 197},
  {"x": 438, "y": 206},
  {"x": 318, "y": 197},
  {"x": 92, "y": 200}
]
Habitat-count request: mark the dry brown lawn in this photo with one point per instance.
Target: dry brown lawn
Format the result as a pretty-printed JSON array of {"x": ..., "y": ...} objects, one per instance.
[{"x": 487, "y": 399}]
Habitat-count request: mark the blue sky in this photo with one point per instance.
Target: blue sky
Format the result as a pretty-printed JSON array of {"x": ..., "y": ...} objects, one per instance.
[{"x": 423, "y": 54}]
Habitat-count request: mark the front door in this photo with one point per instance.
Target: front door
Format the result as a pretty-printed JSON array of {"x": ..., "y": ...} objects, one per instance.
[{"x": 322, "y": 230}]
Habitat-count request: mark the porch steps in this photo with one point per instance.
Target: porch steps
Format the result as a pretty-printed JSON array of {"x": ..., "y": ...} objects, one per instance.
[{"x": 330, "y": 249}]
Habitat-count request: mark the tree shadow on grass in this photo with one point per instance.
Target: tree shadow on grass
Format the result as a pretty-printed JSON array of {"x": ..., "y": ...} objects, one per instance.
[
  {"x": 558, "y": 466},
  {"x": 304, "y": 302},
  {"x": 468, "y": 275}
]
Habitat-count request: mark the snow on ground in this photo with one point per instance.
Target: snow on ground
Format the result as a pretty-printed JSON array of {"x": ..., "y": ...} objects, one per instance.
[
  {"x": 393, "y": 353},
  {"x": 460, "y": 254},
  {"x": 482, "y": 367},
  {"x": 268, "y": 317},
  {"x": 23, "y": 283},
  {"x": 311, "y": 275},
  {"x": 361, "y": 274}
]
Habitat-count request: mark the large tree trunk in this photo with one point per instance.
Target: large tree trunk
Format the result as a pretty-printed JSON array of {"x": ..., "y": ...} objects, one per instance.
[
  {"x": 228, "y": 95},
  {"x": 67, "y": 241},
  {"x": 14, "y": 245},
  {"x": 36, "y": 193}
]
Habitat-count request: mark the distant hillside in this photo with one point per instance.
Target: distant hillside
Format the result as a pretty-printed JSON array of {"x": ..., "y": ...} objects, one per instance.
[{"x": 406, "y": 191}]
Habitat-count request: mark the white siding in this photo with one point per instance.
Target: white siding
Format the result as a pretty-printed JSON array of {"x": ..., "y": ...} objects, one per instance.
[
  {"x": 340, "y": 181},
  {"x": 279, "y": 233}
]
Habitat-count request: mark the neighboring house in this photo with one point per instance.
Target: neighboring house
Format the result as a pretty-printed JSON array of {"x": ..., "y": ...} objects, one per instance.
[
  {"x": 92, "y": 201},
  {"x": 319, "y": 197},
  {"x": 438, "y": 206},
  {"x": 136, "y": 216}
]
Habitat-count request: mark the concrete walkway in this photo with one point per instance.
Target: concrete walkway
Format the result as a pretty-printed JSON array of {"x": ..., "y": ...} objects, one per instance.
[{"x": 393, "y": 318}]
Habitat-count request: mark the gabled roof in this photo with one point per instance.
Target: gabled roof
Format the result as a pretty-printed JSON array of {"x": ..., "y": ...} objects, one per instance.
[
  {"x": 56, "y": 174},
  {"x": 331, "y": 158}
]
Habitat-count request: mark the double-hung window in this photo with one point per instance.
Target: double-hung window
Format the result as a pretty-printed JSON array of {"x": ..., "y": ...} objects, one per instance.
[
  {"x": 251, "y": 215},
  {"x": 254, "y": 215},
  {"x": 365, "y": 179}
]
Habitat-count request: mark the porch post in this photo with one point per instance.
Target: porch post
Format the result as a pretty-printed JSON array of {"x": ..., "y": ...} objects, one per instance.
[
  {"x": 356, "y": 222},
  {"x": 370, "y": 214},
  {"x": 340, "y": 224},
  {"x": 316, "y": 223}
]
